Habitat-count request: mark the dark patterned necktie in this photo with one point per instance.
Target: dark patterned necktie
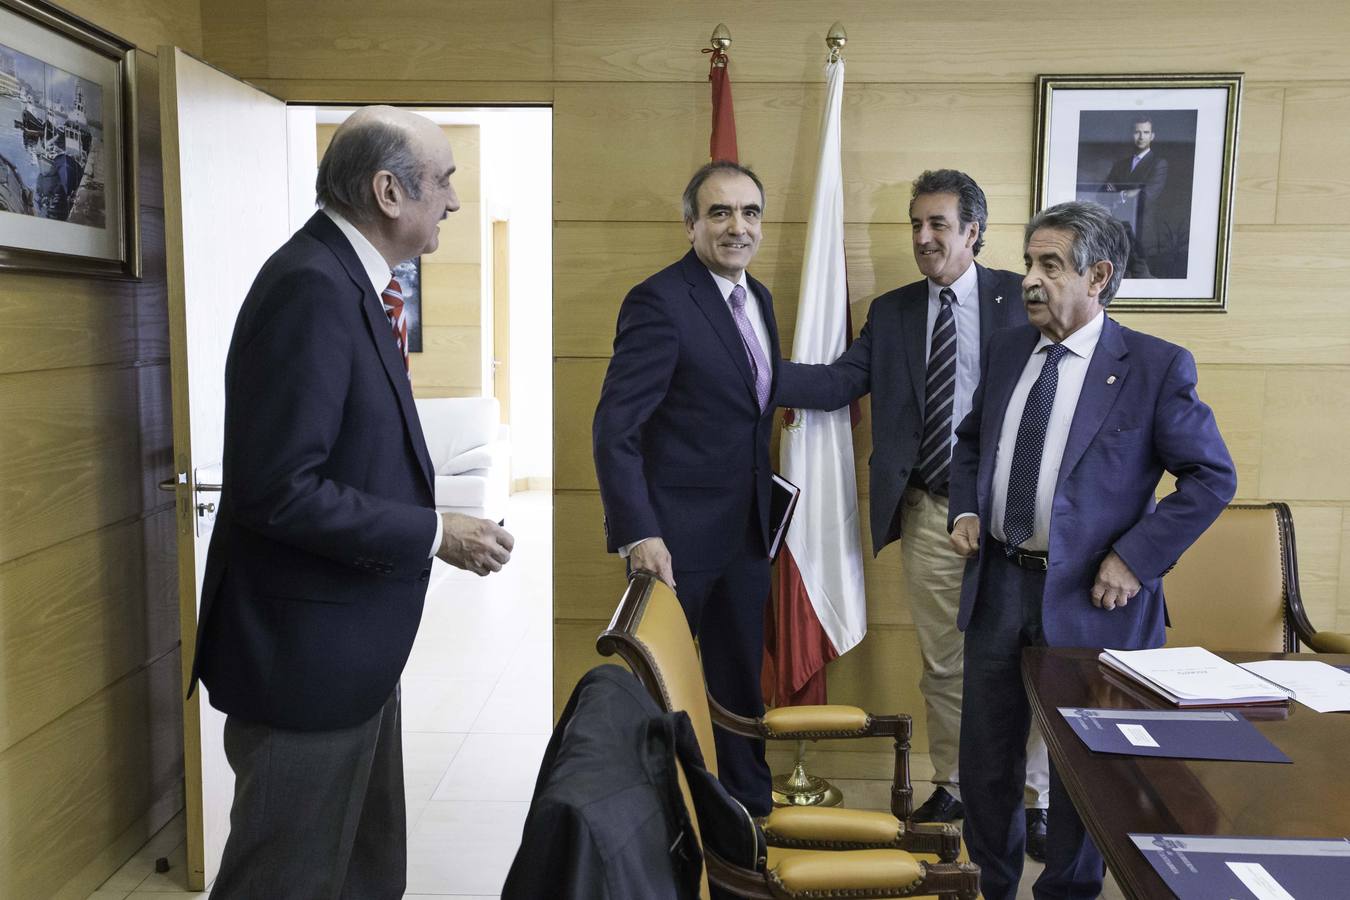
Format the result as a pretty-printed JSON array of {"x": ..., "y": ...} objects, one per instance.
[
  {"x": 759, "y": 365},
  {"x": 1019, "y": 517},
  {"x": 935, "y": 451},
  {"x": 392, "y": 298}
]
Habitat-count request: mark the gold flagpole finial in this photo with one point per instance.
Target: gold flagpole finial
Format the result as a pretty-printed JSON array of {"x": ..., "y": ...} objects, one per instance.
[
  {"x": 721, "y": 38},
  {"x": 835, "y": 39}
]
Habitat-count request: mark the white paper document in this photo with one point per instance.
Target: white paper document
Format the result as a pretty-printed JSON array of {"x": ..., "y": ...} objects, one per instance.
[
  {"x": 1192, "y": 676},
  {"x": 1314, "y": 683}
]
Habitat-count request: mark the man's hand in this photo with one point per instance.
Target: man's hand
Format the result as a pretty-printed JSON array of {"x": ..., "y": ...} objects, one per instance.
[
  {"x": 1115, "y": 584},
  {"x": 965, "y": 536},
  {"x": 651, "y": 556},
  {"x": 478, "y": 545}
]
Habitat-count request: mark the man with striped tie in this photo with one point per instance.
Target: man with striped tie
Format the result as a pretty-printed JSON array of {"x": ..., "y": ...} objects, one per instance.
[
  {"x": 321, "y": 554},
  {"x": 919, "y": 355}
]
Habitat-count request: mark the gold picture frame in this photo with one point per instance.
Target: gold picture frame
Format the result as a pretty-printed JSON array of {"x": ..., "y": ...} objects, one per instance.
[
  {"x": 1160, "y": 152},
  {"x": 68, "y": 164}
]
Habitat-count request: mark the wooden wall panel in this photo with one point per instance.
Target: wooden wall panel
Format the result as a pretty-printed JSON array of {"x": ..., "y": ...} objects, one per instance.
[
  {"x": 78, "y": 784},
  {"x": 606, "y": 40},
  {"x": 1314, "y": 183},
  {"x": 60, "y": 644},
  {"x": 1305, "y": 434},
  {"x": 145, "y": 23},
  {"x": 1317, "y": 532}
]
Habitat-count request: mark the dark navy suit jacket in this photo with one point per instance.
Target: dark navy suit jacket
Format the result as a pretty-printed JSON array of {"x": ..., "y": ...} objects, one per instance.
[
  {"x": 890, "y": 360},
  {"x": 681, "y": 447},
  {"x": 1137, "y": 416},
  {"x": 318, "y": 565}
]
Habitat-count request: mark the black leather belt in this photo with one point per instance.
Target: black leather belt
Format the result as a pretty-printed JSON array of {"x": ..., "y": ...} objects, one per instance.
[{"x": 1036, "y": 561}]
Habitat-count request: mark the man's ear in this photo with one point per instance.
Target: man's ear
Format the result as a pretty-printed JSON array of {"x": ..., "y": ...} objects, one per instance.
[
  {"x": 1099, "y": 276},
  {"x": 388, "y": 193}
]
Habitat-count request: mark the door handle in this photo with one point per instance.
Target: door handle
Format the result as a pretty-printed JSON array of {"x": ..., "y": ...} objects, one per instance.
[{"x": 171, "y": 484}]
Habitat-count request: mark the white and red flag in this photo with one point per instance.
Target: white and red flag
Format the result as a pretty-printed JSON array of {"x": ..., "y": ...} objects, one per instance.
[{"x": 821, "y": 609}]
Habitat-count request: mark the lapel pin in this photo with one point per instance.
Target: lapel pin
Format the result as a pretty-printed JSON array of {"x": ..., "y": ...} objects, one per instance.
[
  {"x": 998, "y": 299},
  {"x": 1110, "y": 379}
]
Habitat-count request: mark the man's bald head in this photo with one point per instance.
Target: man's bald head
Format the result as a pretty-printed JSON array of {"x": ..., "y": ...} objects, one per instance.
[{"x": 371, "y": 140}]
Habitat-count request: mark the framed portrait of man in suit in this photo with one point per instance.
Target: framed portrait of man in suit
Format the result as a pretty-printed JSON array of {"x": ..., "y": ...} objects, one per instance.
[{"x": 1158, "y": 152}]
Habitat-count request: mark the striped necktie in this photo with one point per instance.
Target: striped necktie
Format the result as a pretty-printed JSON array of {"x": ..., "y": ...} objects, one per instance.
[
  {"x": 392, "y": 298},
  {"x": 935, "y": 450}
]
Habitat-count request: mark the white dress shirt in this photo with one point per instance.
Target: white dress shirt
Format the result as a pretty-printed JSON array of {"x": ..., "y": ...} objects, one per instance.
[
  {"x": 756, "y": 317},
  {"x": 379, "y": 273},
  {"x": 966, "y": 311},
  {"x": 1073, "y": 368}
]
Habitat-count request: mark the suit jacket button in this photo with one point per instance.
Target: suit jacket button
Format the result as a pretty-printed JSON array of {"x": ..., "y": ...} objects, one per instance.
[{"x": 426, "y": 573}]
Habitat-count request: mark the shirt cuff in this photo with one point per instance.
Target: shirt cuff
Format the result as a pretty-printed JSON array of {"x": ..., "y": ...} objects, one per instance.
[
  {"x": 961, "y": 516},
  {"x": 626, "y": 549},
  {"x": 440, "y": 532}
]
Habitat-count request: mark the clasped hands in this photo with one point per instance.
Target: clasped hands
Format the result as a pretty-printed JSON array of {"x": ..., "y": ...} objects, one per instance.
[
  {"x": 479, "y": 545},
  {"x": 1115, "y": 585}
]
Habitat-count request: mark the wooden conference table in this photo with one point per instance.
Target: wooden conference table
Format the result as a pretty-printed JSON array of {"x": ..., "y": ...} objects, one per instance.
[{"x": 1116, "y": 795}]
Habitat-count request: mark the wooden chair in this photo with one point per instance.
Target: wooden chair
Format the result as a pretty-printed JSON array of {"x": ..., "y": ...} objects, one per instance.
[
  {"x": 813, "y": 852},
  {"x": 1237, "y": 587}
]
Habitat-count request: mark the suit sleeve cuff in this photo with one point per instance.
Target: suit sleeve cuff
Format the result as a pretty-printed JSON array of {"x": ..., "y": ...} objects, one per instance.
[{"x": 440, "y": 533}]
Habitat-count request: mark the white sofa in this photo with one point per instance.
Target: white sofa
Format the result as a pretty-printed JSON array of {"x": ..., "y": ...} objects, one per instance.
[{"x": 470, "y": 453}]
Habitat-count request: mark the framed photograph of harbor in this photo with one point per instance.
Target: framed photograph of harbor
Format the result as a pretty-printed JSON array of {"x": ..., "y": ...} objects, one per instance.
[
  {"x": 67, "y": 145},
  {"x": 1158, "y": 152}
]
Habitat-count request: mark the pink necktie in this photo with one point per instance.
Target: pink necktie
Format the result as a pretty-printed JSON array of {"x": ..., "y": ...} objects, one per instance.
[{"x": 758, "y": 364}]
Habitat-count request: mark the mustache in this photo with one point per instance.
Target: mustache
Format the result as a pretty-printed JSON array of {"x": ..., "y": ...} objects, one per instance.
[{"x": 1033, "y": 295}]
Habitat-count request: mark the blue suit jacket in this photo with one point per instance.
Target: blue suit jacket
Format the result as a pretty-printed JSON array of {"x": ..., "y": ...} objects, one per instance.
[
  {"x": 681, "y": 447},
  {"x": 890, "y": 360},
  {"x": 318, "y": 565},
  {"x": 1126, "y": 431}
]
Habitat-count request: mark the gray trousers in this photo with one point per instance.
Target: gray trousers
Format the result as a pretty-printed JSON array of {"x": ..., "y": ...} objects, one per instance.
[{"x": 317, "y": 815}]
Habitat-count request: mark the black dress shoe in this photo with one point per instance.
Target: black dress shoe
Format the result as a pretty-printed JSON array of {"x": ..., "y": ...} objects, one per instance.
[
  {"x": 939, "y": 807},
  {"x": 1037, "y": 822}
]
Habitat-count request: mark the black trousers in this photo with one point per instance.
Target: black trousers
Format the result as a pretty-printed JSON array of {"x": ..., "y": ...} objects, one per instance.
[
  {"x": 725, "y": 609},
  {"x": 317, "y": 815}
]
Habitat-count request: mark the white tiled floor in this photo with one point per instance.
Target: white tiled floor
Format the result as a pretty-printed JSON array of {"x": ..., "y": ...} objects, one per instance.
[
  {"x": 477, "y": 695},
  {"x": 476, "y": 717}
]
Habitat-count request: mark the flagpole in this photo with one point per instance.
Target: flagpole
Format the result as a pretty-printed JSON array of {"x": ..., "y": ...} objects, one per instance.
[{"x": 800, "y": 788}]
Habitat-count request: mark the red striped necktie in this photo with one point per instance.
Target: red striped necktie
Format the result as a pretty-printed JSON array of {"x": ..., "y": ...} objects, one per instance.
[{"x": 392, "y": 298}]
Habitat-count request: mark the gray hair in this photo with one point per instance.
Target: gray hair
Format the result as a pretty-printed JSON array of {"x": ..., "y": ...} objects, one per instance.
[
  {"x": 1097, "y": 236},
  {"x": 970, "y": 203},
  {"x": 705, "y": 172},
  {"x": 349, "y": 164}
]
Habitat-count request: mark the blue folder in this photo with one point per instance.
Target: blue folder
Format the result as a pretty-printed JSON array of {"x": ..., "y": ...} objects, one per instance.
[
  {"x": 1248, "y": 868},
  {"x": 1177, "y": 733}
]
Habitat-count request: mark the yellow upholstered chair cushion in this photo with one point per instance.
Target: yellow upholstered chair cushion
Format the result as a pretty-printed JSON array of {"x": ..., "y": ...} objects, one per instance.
[
  {"x": 831, "y": 825},
  {"x": 803, "y": 871},
  {"x": 823, "y": 720}
]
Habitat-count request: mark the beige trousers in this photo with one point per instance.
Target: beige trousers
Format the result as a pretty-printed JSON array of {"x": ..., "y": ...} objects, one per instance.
[{"x": 932, "y": 575}]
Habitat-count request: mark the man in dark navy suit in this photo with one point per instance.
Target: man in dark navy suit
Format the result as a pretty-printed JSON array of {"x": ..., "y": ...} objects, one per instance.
[
  {"x": 322, "y": 549},
  {"x": 1052, "y": 500},
  {"x": 681, "y": 441},
  {"x": 1142, "y": 177},
  {"x": 919, "y": 357}
]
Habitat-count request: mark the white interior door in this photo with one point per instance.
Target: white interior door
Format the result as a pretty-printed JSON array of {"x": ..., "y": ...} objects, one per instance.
[{"x": 226, "y": 210}]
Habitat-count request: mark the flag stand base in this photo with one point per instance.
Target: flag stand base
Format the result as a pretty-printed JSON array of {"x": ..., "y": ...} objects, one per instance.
[{"x": 803, "y": 789}]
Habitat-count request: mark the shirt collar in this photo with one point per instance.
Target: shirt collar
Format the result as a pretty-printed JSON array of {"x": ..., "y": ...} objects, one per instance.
[
  {"x": 1142, "y": 153},
  {"x": 726, "y": 284},
  {"x": 377, "y": 268},
  {"x": 1083, "y": 341},
  {"x": 965, "y": 287}
]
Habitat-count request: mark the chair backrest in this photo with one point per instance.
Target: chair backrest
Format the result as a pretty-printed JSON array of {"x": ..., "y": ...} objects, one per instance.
[
  {"x": 650, "y": 632},
  {"x": 1236, "y": 588}
]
